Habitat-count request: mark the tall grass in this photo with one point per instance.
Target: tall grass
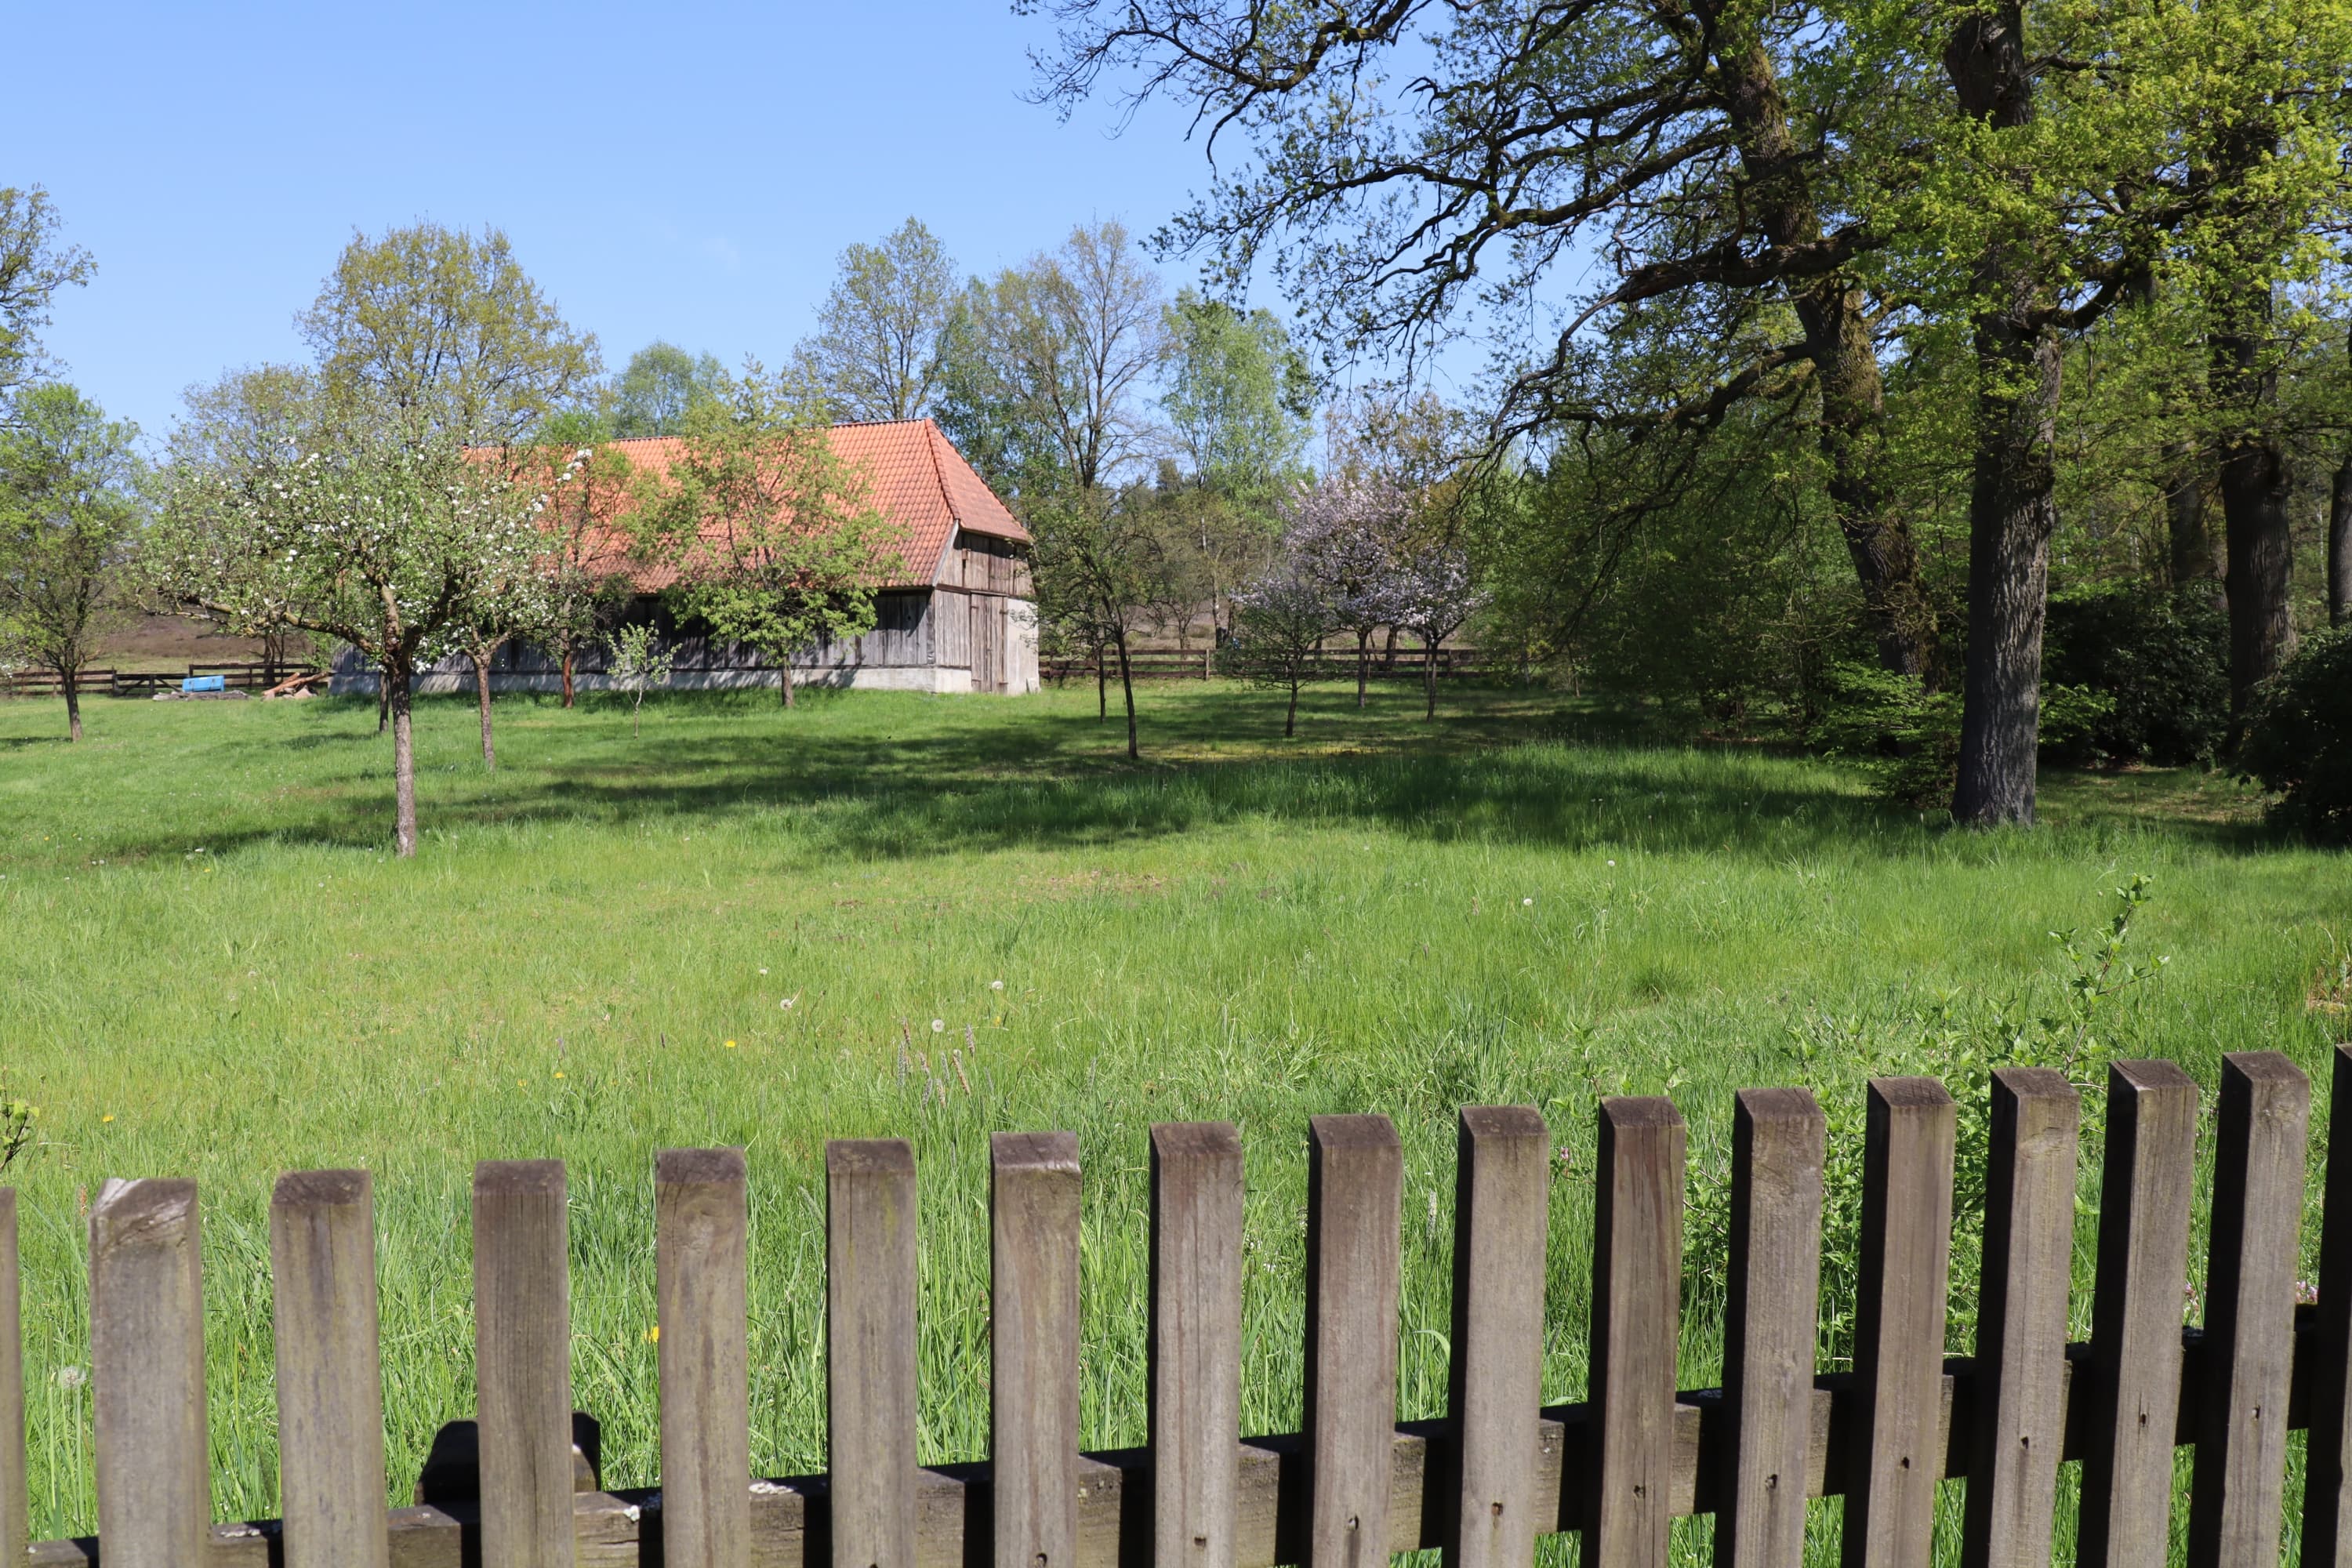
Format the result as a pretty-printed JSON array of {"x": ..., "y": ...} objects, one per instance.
[{"x": 212, "y": 967}]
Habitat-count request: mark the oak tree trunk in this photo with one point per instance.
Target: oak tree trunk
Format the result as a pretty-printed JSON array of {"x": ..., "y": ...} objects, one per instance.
[
  {"x": 2255, "y": 481},
  {"x": 404, "y": 763},
  {"x": 73, "y": 678},
  {"x": 2340, "y": 546},
  {"x": 1834, "y": 315},
  {"x": 2012, "y": 507},
  {"x": 2188, "y": 525},
  {"x": 2255, "y": 484},
  {"x": 482, "y": 690}
]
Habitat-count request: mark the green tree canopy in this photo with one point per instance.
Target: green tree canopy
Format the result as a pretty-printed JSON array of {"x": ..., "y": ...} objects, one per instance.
[
  {"x": 659, "y": 391},
  {"x": 774, "y": 541},
  {"x": 71, "y": 509},
  {"x": 1239, "y": 399},
  {"x": 446, "y": 330},
  {"x": 34, "y": 265},
  {"x": 876, "y": 351}
]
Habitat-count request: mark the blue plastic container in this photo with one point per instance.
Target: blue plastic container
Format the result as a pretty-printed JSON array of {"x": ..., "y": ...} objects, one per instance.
[{"x": 204, "y": 683}]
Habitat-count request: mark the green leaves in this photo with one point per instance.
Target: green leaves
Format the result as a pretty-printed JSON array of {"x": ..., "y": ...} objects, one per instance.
[{"x": 774, "y": 541}]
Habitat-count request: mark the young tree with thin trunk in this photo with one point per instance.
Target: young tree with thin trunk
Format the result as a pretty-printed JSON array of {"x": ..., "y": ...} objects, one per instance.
[
  {"x": 70, "y": 516},
  {"x": 773, "y": 540},
  {"x": 1101, "y": 562},
  {"x": 503, "y": 603},
  {"x": 1347, "y": 532},
  {"x": 581, "y": 584},
  {"x": 1279, "y": 625},
  {"x": 365, "y": 531},
  {"x": 636, "y": 660},
  {"x": 1437, "y": 592}
]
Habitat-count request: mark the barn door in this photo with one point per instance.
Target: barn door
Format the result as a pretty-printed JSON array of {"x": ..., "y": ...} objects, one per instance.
[{"x": 987, "y": 643}]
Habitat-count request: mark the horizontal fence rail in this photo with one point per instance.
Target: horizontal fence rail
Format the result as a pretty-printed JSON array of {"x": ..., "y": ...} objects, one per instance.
[
  {"x": 237, "y": 675},
  {"x": 1200, "y": 664},
  {"x": 518, "y": 1489}
]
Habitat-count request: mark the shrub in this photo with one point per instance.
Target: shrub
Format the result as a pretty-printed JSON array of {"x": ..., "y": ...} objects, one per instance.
[
  {"x": 2163, "y": 661},
  {"x": 2300, "y": 741},
  {"x": 1905, "y": 737}
]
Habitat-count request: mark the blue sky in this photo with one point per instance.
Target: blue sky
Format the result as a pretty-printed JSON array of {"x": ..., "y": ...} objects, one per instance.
[{"x": 689, "y": 172}]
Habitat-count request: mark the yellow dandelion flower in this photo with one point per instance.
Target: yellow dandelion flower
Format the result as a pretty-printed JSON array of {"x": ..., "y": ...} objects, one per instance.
[
  {"x": 731, "y": 1045},
  {"x": 107, "y": 1118},
  {"x": 559, "y": 1075},
  {"x": 653, "y": 1335}
]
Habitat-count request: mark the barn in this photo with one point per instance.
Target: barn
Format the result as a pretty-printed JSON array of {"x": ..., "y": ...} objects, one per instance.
[{"x": 961, "y": 617}]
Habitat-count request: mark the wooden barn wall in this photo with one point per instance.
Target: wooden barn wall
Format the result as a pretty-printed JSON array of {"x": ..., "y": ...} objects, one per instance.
[
  {"x": 986, "y": 565},
  {"x": 950, "y": 621},
  {"x": 902, "y": 636}
]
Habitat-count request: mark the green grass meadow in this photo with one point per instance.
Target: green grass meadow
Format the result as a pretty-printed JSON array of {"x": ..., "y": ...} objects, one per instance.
[{"x": 897, "y": 915}]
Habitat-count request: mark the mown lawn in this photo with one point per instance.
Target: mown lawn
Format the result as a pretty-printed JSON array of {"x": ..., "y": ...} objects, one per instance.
[{"x": 759, "y": 928}]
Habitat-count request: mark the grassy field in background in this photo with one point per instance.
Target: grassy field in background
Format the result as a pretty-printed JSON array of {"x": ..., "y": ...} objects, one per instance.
[{"x": 887, "y": 914}]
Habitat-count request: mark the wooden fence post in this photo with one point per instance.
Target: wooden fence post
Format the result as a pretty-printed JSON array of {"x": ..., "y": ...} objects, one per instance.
[
  {"x": 15, "y": 1492},
  {"x": 869, "y": 1351},
  {"x": 1502, "y": 1191},
  {"x": 1898, "y": 1351},
  {"x": 2236, "y": 1503},
  {"x": 1033, "y": 1379},
  {"x": 2027, "y": 1282},
  {"x": 2133, "y": 1377},
  {"x": 147, "y": 1373},
  {"x": 1637, "y": 1278},
  {"x": 2327, "y": 1472},
  {"x": 1771, "y": 1318},
  {"x": 702, "y": 1274},
  {"x": 1355, "y": 1199},
  {"x": 1196, "y": 1343},
  {"x": 522, "y": 1363},
  {"x": 329, "y": 1383}
]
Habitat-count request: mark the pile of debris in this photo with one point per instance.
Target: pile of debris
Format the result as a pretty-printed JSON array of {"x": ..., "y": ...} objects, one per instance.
[{"x": 312, "y": 685}]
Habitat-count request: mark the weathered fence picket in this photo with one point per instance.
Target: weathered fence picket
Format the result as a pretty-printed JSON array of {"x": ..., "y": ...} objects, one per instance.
[
  {"x": 702, "y": 1307},
  {"x": 523, "y": 1361},
  {"x": 870, "y": 1352},
  {"x": 1479, "y": 1483},
  {"x": 1779, "y": 1147},
  {"x": 330, "y": 1385},
  {"x": 1196, "y": 1344}
]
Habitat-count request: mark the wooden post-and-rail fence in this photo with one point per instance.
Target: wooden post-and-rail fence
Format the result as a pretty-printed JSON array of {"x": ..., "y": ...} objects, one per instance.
[{"x": 1480, "y": 1484}]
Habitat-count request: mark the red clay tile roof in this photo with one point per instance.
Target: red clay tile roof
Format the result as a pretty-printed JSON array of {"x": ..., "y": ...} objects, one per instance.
[{"x": 914, "y": 476}]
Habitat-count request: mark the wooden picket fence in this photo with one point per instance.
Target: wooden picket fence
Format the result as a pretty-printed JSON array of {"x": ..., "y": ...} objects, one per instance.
[{"x": 1355, "y": 1485}]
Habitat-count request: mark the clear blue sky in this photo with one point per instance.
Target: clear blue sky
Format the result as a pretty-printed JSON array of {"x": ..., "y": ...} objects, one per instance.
[{"x": 680, "y": 171}]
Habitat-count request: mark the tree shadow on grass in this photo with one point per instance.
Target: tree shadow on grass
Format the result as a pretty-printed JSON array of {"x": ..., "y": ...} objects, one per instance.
[{"x": 913, "y": 777}]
